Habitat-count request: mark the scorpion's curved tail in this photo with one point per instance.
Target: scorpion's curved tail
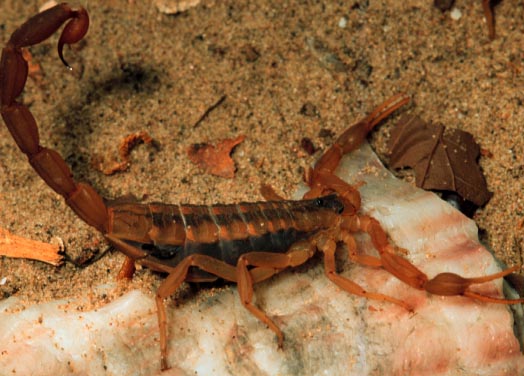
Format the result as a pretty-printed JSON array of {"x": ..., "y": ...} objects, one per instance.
[{"x": 82, "y": 198}]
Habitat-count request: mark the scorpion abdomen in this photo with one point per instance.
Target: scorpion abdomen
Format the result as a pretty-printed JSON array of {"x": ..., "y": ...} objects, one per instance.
[{"x": 225, "y": 231}]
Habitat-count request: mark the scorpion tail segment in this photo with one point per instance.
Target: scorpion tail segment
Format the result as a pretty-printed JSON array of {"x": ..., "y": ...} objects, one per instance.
[
  {"x": 44, "y": 24},
  {"x": 13, "y": 75},
  {"x": 83, "y": 199},
  {"x": 449, "y": 284},
  {"x": 41, "y": 26},
  {"x": 73, "y": 32},
  {"x": 89, "y": 206}
]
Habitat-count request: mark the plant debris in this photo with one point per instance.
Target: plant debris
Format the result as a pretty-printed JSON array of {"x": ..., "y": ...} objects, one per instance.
[
  {"x": 215, "y": 159},
  {"x": 18, "y": 247},
  {"x": 175, "y": 6},
  {"x": 208, "y": 111},
  {"x": 126, "y": 145},
  {"x": 34, "y": 69},
  {"x": 444, "y": 5},
  {"x": 490, "y": 18},
  {"x": 487, "y": 6},
  {"x": 443, "y": 159},
  {"x": 308, "y": 146}
]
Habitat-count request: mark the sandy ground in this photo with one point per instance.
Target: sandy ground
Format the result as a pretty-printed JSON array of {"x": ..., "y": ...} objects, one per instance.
[{"x": 139, "y": 70}]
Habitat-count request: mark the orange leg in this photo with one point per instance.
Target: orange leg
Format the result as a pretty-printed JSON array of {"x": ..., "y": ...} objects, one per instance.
[
  {"x": 173, "y": 282},
  {"x": 270, "y": 263},
  {"x": 265, "y": 265},
  {"x": 269, "y": 193},
  {"x": 328, "y": 247},
  {"x": 127, "y": 270}
]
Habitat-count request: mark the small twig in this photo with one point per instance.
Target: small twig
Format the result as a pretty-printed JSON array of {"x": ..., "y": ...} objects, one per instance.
[
  {"x": 490, "y": 19},
  {"x": 18, "y": 247},
  {"x": 210, "y": 108}
]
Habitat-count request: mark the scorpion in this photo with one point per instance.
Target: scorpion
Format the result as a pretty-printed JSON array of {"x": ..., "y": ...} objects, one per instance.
[{"x": 243, "y": 243}]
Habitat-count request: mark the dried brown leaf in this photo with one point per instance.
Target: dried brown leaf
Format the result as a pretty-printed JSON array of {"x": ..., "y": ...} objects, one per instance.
[
  {"x": 215, "y": 159},
  {"x": 443, "y": 159},
  {"x": 126, "y": 145}
]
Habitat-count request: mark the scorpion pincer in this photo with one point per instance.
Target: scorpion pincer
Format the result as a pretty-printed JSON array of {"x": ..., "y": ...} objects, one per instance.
[{"x": 243, "y": 243}]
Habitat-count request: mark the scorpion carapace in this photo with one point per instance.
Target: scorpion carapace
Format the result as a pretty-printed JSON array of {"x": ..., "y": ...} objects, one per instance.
[{"x": 244, "y": 243}]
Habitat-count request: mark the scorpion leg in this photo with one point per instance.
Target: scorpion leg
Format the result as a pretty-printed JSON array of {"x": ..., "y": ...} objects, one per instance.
[
  {"x": 173, "y": 281},
  {"x": 178, "y": 275},
  {"x": 127, "y": 269},
  {"x": 267, "y": 264},
  {"x": 268, "y": 192},
  {"x": 329, "y": 247}
]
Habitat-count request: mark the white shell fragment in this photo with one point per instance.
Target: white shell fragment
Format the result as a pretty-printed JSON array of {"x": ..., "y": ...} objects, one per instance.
[{"x": 327, "y": 331}]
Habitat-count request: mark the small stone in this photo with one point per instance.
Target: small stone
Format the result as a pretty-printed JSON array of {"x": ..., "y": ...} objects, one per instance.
[{"x": 456, "y": 14}]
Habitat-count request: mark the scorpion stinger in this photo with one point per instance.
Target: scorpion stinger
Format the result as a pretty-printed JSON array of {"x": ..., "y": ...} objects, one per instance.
[{"x": 243, "y": 243}]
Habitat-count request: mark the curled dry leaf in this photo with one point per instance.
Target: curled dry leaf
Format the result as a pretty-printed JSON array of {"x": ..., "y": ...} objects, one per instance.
[
  {"x": 443, "y": 159},
  {"x": 126, "y": 145},
  {"x": 18, "y": 247},
  {"x": 215, "y": 159}
]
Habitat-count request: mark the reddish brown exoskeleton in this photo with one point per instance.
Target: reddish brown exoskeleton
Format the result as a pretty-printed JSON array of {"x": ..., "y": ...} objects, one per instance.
[{"x": 243, "y": 243}]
